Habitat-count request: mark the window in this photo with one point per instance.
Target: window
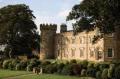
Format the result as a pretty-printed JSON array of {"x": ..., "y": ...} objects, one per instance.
[
  {"x": 73, "y": 40},
  {"x": 91, "y": 50},
  {"x": 81, "y": 52},
  {"x": 73, "y": 52},
  {"x": 82, "y": 39},
  {"x": 110, "y": 52},
  {"x": 90, "y": 39}
]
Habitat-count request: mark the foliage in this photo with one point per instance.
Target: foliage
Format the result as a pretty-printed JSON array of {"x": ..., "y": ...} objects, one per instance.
[
  {"x": 91, "y": 71},
  {"x": 29, "y": 67},
  {"x": 67, "y": 70},
  {"x": 83, "y": 72},
  {"x": 105, "y": 74},
  {"x": 98, "y": 75},
  {"x": 51, "y": 68},
  {"x": 6, "y": 64},
  {"x": 89, "y": 14},
  {"x": 60, "y": 67},
  {"x": 16, "y": 27},
  {"x": 117, "y": 72},
  {"x": 111, "y": 71}
]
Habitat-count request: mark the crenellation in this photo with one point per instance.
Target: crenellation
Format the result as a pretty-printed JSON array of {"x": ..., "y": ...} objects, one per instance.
[{"x": 48, "y": 27}]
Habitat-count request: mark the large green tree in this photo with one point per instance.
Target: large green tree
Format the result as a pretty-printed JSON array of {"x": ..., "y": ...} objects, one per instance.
[
  {"x": 18, "y": 30},
  {"x": 104, "y": 14}
]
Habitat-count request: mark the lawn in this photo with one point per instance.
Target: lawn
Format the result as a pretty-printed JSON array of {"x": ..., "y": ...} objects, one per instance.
[
  {"x": 6, "y": 74},
  {"x": 49, "y": 76}
]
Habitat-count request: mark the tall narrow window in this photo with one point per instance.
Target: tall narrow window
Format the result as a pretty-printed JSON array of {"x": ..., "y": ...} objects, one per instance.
[
  {"x": 91, "y": 50},
  {"x": 110, "y": 52},
  {"x": 73, "y": 40},
  {"x": 73, "y": 52},
  {"x": 81, "y": 52}
]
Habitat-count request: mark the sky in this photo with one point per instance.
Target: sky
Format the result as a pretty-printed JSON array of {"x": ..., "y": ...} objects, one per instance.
[{"x": 47, "y": 11}]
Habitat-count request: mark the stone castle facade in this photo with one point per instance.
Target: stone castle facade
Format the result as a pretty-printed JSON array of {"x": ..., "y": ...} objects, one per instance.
[{"x": 66, "y": 46}]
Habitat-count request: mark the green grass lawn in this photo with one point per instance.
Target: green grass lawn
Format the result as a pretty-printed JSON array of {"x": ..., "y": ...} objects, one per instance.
[
  {"x": 8, "y": 73},
  {"x": 29, "y": 75},
  {"x": 49, "y": 76}
]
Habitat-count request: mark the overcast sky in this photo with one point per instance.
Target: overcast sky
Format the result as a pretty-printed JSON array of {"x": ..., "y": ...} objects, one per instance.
[{"x": 47, "y": 11}]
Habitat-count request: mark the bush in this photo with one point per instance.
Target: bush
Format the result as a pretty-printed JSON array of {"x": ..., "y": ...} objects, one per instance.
[
  {"x": 10, "y": 66},
  {"x": 6, "y": 64},
  {"x": 104, "y": 74},
  {"x": 18, "y": 67},
  {"x": 51, "y": 68},
  {"x": 98, "y": 75},
  {"x": 85, "y": 64},
  {"x": 103, "y": 66},
  {"x": 117, "y": 73},
  {"x": 91, "y": 71},
  {"x": 111, "y": 71},
  {"x": 29, "y": 67},
  {"x": 60, "y": 67},
  {"x": 67, "y": 70},
  {"x": 35, "y": 62},
  {"x": 44, "y": 63},
  {"x": 1, "y": 62},
  {"x": 23, "y": 65},
  {"x": 83, "y": 72},
  {"x": 73, "y": 61},
  {"x": 76, "y": 68}
]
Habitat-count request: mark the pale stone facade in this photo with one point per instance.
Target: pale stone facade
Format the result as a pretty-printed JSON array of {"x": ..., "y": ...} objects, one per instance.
[{"x": 66, "y": 46}]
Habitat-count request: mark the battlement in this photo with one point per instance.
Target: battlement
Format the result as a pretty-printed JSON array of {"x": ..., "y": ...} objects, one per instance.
[{"x": 48, "y": 26}]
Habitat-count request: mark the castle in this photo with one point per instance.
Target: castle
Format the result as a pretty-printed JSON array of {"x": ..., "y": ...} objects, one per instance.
[{"x": 66, "y": 46}]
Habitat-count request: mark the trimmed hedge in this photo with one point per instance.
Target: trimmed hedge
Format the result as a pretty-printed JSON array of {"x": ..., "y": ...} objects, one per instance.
[{"x": 97, "y": 70}]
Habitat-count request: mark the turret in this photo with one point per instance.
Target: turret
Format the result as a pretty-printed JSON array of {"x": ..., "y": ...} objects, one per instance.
[
  {"x": 48, "y": 33},
  {"x": 63, "y": 28}
]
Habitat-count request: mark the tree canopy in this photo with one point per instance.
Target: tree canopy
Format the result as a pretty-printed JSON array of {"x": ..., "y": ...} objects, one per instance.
[
  {"x": 104, "y": 14},
  {"x": 17, "y": 29}
]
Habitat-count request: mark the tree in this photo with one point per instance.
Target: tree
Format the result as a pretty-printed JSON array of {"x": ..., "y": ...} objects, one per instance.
[
  {"x": 104, "y": 14},
  {"x": 18, "y": 30}
]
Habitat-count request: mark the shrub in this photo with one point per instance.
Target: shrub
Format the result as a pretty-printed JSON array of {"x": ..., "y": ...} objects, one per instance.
[
  {"x": 76, "y": 68},
  {"x": 1, "y": 62},
  {"x": 10, "y": 66},
  {"x": 23, "y": 65},
  {"x": 111, "y": 71},
  {"x": 98, "y": 75},
  {"x": 85, "y": 64},
  {"x": 67, "y": 70},
  {"x": 60, "y": 67},
  {"x": 18, "y": 67},
  {"x": 104, "y": 74},
  {"x": 103, "y": 66},
  {"x": 91, "y": 71},
  {"x": 117, "y": 73},
  {"x": 83, "y": 72},
  {"x": 44, "y": 63},
  {"x": 35, "y": 62},
  {"x": 73, "y": 61},
  {"x": 6, "y": 64},
  {"x": 51, "y": 68},
  {"x": 29, "y": 67}
]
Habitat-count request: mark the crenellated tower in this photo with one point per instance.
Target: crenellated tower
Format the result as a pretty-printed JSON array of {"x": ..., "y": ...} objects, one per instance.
[{"x": 48, "y": 33}]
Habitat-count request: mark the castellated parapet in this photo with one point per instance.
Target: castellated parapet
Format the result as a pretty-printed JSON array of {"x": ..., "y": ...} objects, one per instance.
[
  {"x": 48, "y": 27},
  {"x": 48, "y": 32}
]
